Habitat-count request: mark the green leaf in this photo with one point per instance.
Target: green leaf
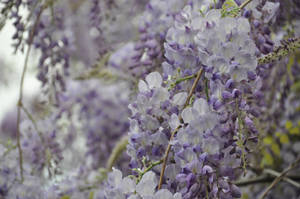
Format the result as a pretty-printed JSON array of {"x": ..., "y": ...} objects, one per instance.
[
  {"x": 289, "y": 66},
  {"x": 288, "y": 125},
  {"x": 295, "y": 131},
  {"x": 229, "y": 4},
  {"x": 276, "y": 149},
  {"x": 91, "y": 196},
  {"x": 284, "y": 139},
  {"x": 296, "y": 86},
  {"x": 245, "y": 196},
  {"x": 267, "y": 159},
  {"x": 268, "y": 140},
  {"x": 65, "y": 197},
  {"x": 278, "y": 134}
]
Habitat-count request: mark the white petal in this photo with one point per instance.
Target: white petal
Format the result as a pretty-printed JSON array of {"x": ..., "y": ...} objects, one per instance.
[
  {"x": 174, "y": 122},
  {"x": 177, "y": 196},
  {"x": 270, "y": 10},
  {"x": 134, "y": 197},
  {"x": 160, "y": 95},
  {"x": 187, "y": 115},
  {"x": 143, "y": 87},
  {"x": 163, "y": 194},
  {"x": 128, "y": 185},
  {"x": 201, "y": 106},
  {"x": 146, "y": 186},
  {"x": 154, "y": 79},
  {"x": 213, "y": 15},
  {"x": 228, "y": 24},
  {"x": 115, "y": 177},
  {"x": 210, "y": 121},
  {"x": 171, "y": 171},
  {"x": 180, "y": 98},
  {"x": 243, "y": 25}
]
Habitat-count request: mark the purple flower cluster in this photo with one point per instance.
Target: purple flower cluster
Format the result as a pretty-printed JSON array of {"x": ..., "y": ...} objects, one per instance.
[
  {"x": 147, "y": 53},
  {"x": 149, "y": 125},
  {"x": 101, "y": 117}
]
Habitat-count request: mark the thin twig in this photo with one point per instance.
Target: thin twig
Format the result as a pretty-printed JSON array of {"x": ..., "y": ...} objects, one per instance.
[
  {"x": 199, "y": 74},
  {"x": 277, "y": 179},
  {"x": 263, "y": 179},
  {"x": 166, "y": 157},
  {"x": 286, "y": 178},
  {"x": 33, "y": 122},
  {"x": 267, "y": 175},
  {"x": 31, "y": 36},
  {"x": 245, "y": 4},
  {"x": 260, "y": 179},
  {"x": 181, "y": 80}
]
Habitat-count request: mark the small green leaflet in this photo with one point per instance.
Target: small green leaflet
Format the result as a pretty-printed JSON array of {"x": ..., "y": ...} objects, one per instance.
[{"x": 230, "y": 8}]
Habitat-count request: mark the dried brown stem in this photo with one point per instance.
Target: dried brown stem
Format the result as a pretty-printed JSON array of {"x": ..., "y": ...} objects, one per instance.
[
  {"x": 265, "y": 179},
  {"x": 199, "y": 74},
  {"x": 286, "y": 178},
  {"x": 278, "y": 179},
  {"x": 245, "y": 4},
  {"x": 31, "y": 36}
]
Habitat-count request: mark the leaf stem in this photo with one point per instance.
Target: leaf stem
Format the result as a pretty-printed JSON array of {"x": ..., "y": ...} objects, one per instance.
[
  {"x": 148, "y": 169},
  {"x": 182, "y": 79}
]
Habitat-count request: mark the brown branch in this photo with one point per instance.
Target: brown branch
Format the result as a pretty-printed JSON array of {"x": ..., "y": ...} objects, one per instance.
[
  {"x": 286, "y": 178},
  {"x": 277, "y": 179},
  {"x": 264, "y": 179},
  {"x": 245, "y": 4},
  {"x": 166, "y": 157},
  {"x": 30, "y": 41},
  {"x": 199, "y": 74}
]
